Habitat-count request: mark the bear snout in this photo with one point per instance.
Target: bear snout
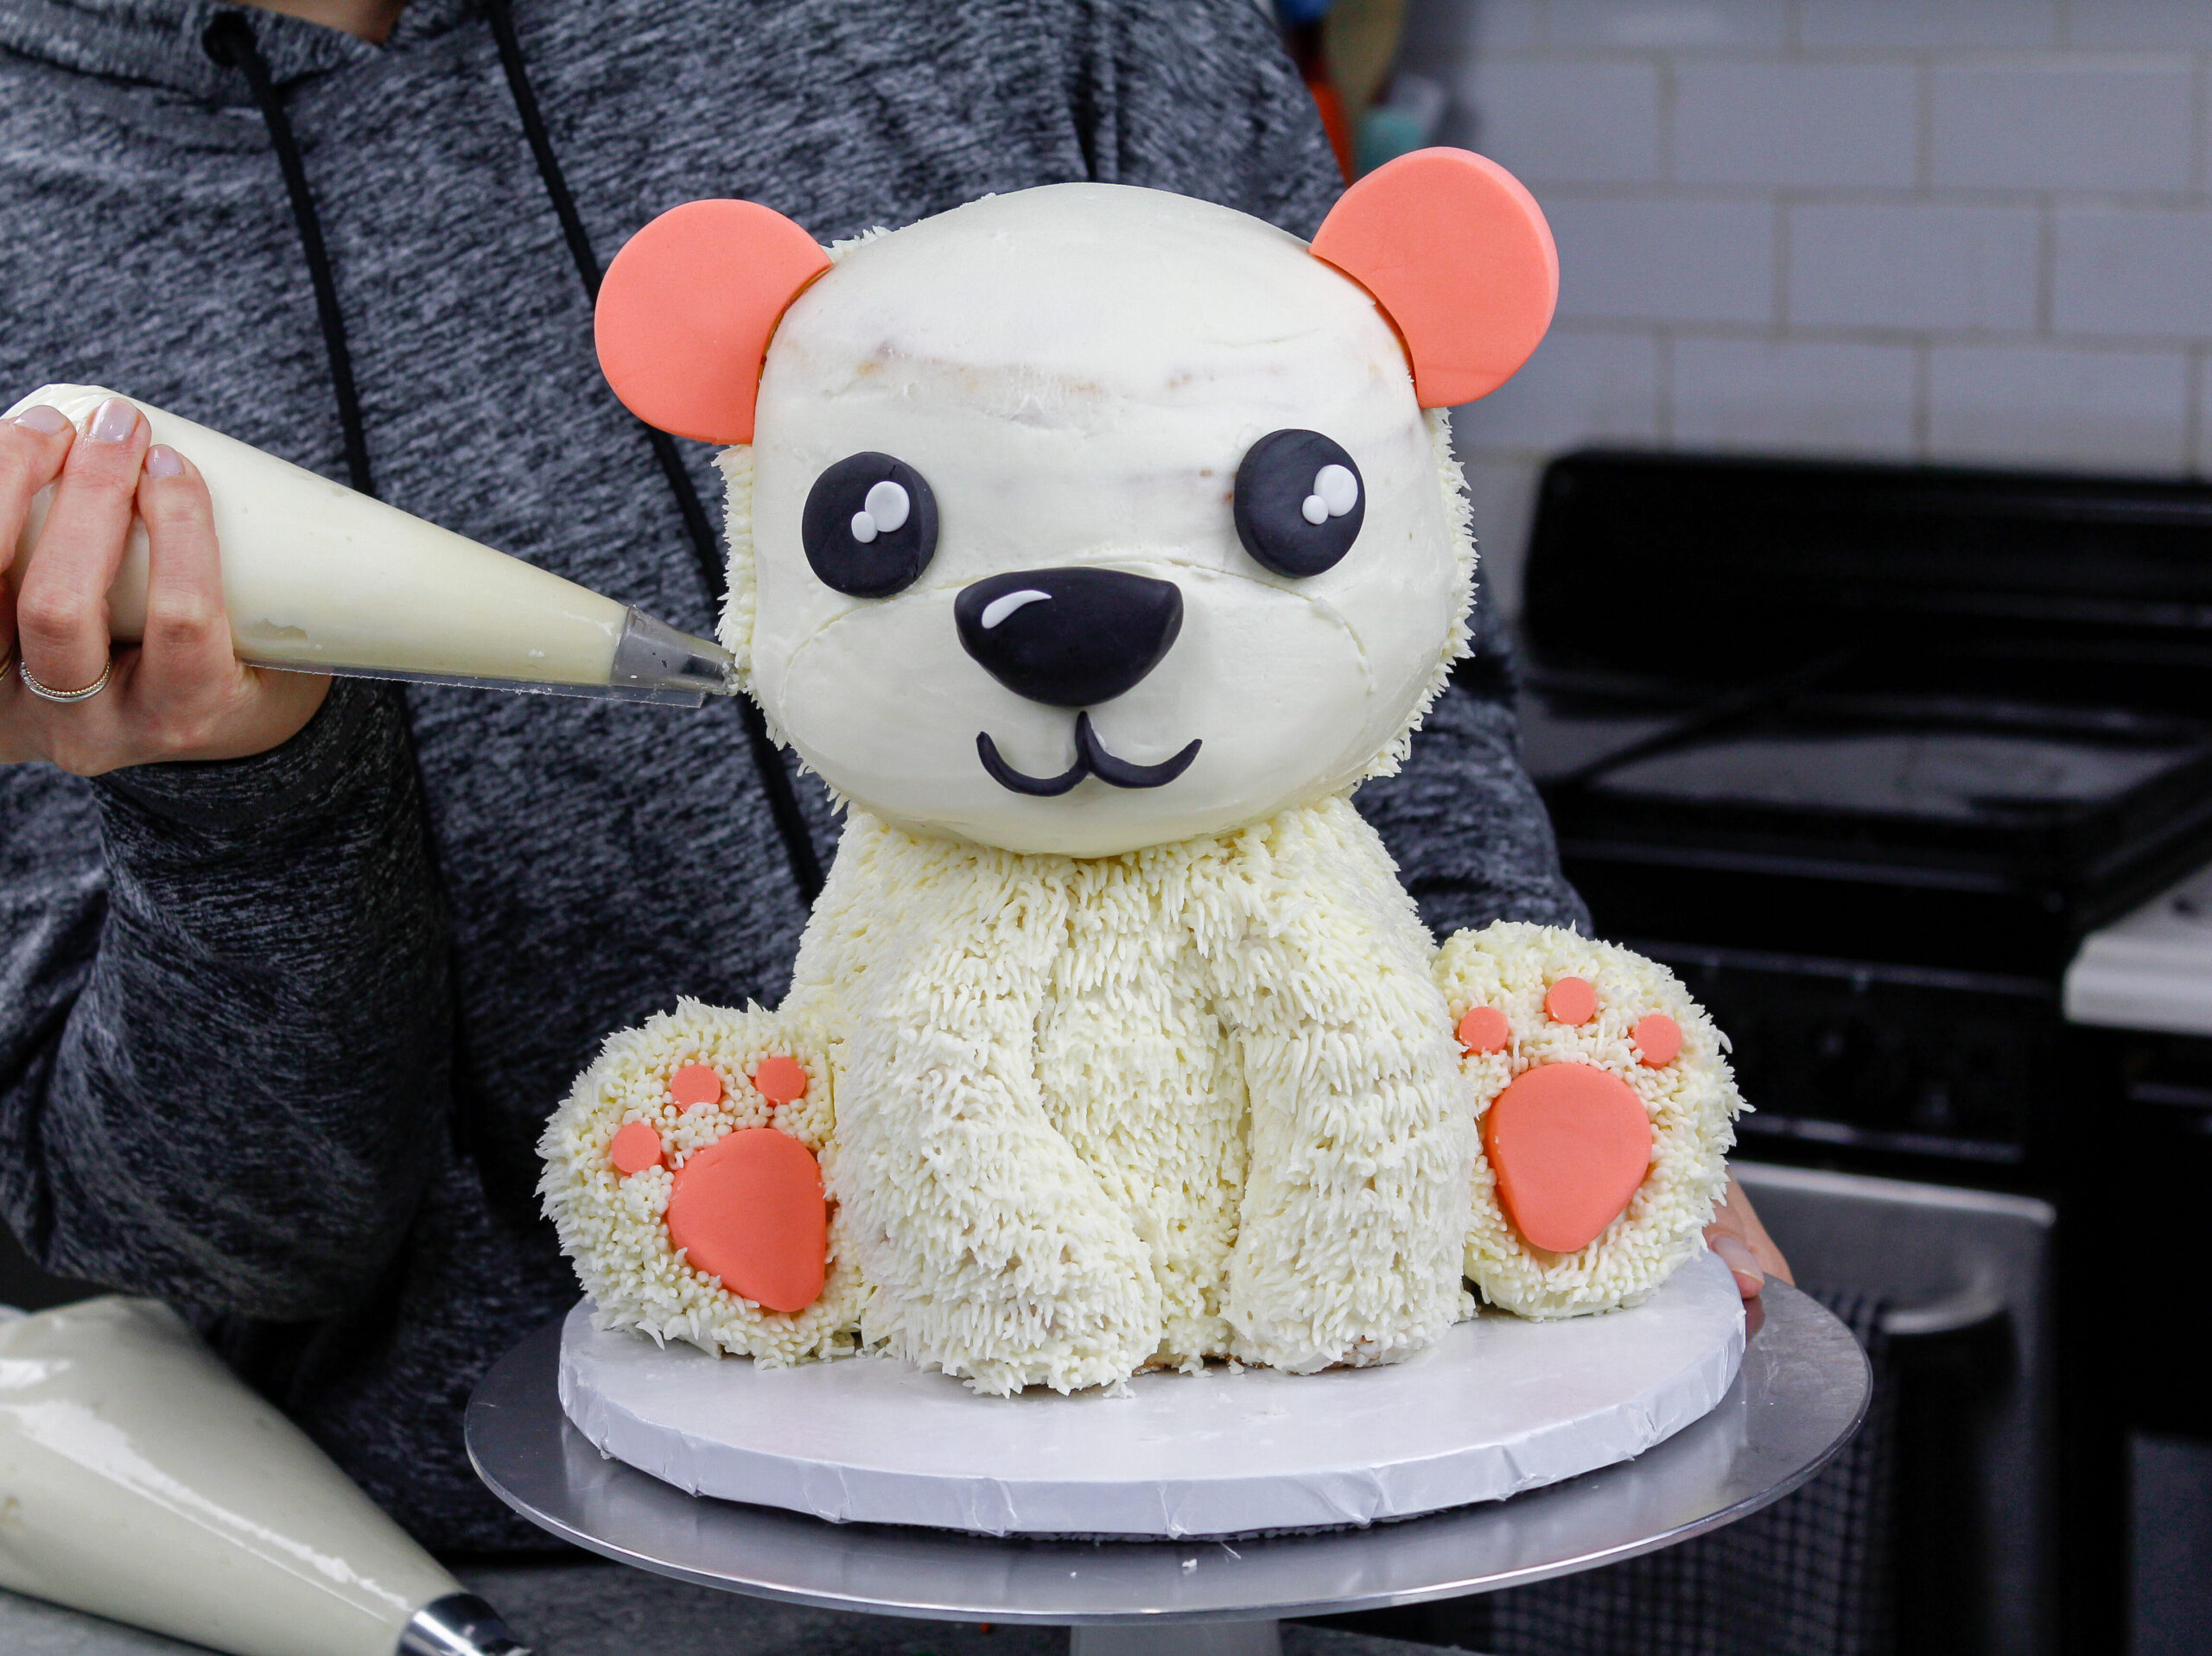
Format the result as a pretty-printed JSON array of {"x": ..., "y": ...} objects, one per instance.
[{"x": 1070, "y": 637}]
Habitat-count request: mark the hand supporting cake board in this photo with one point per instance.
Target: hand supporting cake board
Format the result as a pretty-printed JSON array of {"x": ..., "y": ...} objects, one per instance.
[
  {"x": 142, "y": 1480},
  {"x": 1095, "y": 544},
  {"x": 319, "y": 579}
]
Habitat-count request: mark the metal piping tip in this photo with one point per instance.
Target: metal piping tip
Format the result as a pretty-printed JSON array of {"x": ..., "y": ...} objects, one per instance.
[
  {"x": 460, "y": 1624},
  {"x": 653, "y": 656}
]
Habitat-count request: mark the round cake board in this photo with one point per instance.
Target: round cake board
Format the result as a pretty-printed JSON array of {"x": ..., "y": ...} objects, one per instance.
[{"x": 1499, "y": 1405}]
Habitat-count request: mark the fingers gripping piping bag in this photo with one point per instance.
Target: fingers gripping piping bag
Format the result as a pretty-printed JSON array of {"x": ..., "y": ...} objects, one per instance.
[
  {"x": 140, "y": 1480},
  {"x": 319, "y": 579}
]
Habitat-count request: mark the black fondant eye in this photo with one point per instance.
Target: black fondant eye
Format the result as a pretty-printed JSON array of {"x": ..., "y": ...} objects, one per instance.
[
  {"x": 869, "y": 526},
  {"x": 1300, "y": 503}
]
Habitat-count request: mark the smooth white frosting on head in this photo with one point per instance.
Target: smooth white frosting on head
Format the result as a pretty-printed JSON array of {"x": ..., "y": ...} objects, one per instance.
[{"x": 1077, "y": 372}]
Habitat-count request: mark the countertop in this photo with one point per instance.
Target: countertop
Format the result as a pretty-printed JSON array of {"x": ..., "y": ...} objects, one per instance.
[{"x": 596, "y": 1610}]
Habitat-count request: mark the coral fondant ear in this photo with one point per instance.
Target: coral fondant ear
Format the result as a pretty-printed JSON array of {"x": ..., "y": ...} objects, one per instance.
[
  {"x": 1457, "y": 254},
  {"x": 686, "y": 309}
]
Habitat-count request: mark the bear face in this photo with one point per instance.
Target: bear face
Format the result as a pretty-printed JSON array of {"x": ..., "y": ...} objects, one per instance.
[{"x": 1076, "y": 491}]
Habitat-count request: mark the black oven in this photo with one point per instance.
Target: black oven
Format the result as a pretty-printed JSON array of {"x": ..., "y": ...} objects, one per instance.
[{"x": 1864, "y": 753}]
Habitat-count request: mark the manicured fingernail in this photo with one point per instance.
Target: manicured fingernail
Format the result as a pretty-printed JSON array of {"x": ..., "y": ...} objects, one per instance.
[
  {"x": 162, "y": 461},
  {"x": 1738, "y": 1259},
  {"x": 52, "y": 422},
  {"x": 114, "y": 422}
]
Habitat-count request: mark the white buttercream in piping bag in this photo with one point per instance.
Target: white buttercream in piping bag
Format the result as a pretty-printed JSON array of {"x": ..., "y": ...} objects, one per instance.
[
  {"x": 317, "y": 578},
  {"x": 141, "y": 1480}
]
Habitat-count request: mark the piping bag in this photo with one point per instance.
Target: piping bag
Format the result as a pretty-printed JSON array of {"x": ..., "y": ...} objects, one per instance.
[
  {"x": 142, "y": 1480},
  {"x": 318, "y": 579}
]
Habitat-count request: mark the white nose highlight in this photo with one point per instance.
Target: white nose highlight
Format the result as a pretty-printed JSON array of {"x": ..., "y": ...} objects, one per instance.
[{"x": 999, "y": 608}]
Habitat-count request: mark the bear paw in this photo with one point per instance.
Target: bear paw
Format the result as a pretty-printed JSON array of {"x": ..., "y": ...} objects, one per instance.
[
  {"x": 1606, "y": 1110},
  {"x": 681, "y": 1174}
]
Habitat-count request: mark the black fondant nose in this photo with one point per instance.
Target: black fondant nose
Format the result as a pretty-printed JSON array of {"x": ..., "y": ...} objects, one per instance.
[{"x": 1069, "y": 637}]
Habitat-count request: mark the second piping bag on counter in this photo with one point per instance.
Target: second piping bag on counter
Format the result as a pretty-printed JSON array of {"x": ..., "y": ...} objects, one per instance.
[
  {"x": 141, "y": 1480},
  {"x": 317, "y": 578}
]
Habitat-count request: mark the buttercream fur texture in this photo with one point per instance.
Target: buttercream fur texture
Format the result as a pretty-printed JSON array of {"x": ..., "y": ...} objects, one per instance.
[{"x": 1081, "y": 1117}]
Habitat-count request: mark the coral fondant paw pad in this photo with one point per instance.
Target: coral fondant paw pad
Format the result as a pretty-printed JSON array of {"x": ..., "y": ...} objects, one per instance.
[
  {"x": 749, "y": 1208},
  {"x": 1569, "y": 1143}
]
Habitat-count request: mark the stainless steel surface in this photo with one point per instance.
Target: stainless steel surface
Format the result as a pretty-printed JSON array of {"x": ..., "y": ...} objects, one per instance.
[
  {"x": 460, "y": 1624},
  {"x": 1975, "y": 1265},
  {"x": 588, "y": 692},
  {"x": 1178, "y": 1638},
  {"x": 653, "y": 663},
  {"x": 1970, "y": 1307},
  {"x": 653, "y": 656},
  {"x": 1801, "y": 1392}
]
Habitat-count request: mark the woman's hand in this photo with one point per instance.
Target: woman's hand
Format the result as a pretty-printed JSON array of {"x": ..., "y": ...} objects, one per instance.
[
  {"x": 1743, "y": 1244},
  {"x": 180, "y": 693}
]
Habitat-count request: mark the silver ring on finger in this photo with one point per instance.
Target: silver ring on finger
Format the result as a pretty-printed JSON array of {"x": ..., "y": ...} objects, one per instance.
[{"x": 48, "y": 693}]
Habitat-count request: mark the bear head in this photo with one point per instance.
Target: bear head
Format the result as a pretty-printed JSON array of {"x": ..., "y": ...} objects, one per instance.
[{"x": 1090, "y": 517}]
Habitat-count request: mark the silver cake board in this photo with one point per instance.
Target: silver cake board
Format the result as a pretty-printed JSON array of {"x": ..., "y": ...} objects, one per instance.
[{"x": 1799, "y": 1393}]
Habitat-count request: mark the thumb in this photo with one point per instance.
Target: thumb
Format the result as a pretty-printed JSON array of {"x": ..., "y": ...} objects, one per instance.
[{"x": 1737, "y": 1255}]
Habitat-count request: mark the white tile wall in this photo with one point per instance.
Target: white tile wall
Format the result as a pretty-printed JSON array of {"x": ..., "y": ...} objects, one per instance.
[
  {"x": 1758, "y": 24},
  {"x": 1811, "y": 124},
  {"x": 1970, "y": 25},
  {"x": 1914, "y": 266},
  {"x": 2163, "y": 24},
  {"x": 1581, "y": 387},
  {"x": 1793, "y": 396},
  {"x": 2070, "y": 122},
  {"x": 2012, "y": 405},
  {"x": 2133, "y": 271},
  {"x": 1976, "y": 230},
  {"x": 1570, "y": 123},
  {"x": 1678, "y": 259}
]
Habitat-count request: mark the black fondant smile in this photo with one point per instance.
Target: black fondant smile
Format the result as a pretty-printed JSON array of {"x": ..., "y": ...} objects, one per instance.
[{"x": 1091, "y": 759}]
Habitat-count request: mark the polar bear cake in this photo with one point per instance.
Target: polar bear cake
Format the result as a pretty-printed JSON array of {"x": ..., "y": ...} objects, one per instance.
[{"x": 1094, "y": 544}]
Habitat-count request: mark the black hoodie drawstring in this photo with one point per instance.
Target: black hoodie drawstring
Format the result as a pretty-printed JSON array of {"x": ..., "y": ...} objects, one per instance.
[
  {"x": 706, "y": 545},
  {"x": 229, "y": 40}
]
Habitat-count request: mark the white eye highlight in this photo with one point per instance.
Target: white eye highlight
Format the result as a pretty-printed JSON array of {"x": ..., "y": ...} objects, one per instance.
[
  {"x": 1333, "y": 486},
  {"x": 999, "y": 608},
  {"x": 1314, "y": 510},
  {"x": 887, "y": 504},
  {"x": 883, "y": 512}
]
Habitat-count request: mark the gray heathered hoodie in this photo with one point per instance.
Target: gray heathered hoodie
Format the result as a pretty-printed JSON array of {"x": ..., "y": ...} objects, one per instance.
[{"x": 276, "y": 1035}]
